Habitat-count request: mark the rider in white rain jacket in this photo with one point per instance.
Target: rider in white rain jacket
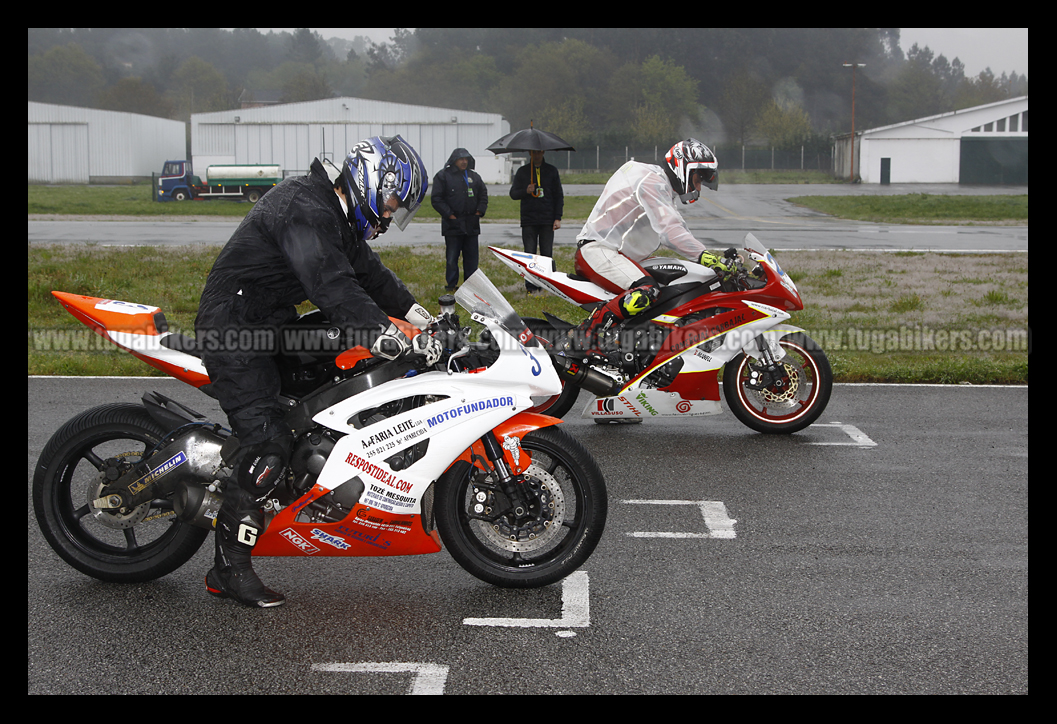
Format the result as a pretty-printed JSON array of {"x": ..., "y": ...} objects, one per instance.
[{"x": 635, "y": 215}]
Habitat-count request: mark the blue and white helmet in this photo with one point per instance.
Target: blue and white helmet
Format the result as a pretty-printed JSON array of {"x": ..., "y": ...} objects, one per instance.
[{"x": 376, "y": 169}]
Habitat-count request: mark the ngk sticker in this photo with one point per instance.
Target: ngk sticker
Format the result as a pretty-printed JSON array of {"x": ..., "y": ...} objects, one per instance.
[{"x": 300, "y": 543}]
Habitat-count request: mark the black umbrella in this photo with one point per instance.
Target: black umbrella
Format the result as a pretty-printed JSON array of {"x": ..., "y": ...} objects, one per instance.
[{"x": 529, "y": 139}]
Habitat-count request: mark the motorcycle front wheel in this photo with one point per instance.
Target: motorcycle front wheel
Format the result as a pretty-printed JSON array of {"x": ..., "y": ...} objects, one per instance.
[
  {"x": 791, "y": 400},
  {"x": 125, "y": 546},
  {"x": 566, "y": 514}
]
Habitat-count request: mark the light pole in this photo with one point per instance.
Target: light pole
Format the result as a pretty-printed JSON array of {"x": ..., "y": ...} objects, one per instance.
[{"x": 853, "y": 66}]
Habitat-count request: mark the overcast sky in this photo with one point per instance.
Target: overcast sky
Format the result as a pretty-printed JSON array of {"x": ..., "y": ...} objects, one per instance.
[{"x": 1001, "y": 49}]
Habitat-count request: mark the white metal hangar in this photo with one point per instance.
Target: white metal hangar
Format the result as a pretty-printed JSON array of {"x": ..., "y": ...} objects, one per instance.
[
  {"x": 985, "y": 144},
  {"x": 292, "y": 134},
  {"x": 71, "y": 145}
]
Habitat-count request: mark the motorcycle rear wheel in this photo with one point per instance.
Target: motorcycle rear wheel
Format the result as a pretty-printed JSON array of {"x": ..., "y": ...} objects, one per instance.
[
  {"x": 791, "y": 403},
  {"x": 562, "y": 473},
  {"x": 560, "y": 404},
  {"x": 130, "y": 547}
]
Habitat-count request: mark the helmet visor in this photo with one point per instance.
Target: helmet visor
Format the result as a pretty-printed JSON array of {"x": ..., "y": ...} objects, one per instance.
[
  {"x": 403, "y": 217},
  {"x": 402, "y": 214}
]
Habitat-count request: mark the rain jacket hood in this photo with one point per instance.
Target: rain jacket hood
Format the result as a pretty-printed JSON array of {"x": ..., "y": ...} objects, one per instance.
[{"x": 460, "y": 153}]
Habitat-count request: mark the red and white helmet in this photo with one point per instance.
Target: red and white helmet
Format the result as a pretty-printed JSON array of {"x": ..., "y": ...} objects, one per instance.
[{"x": 685, "y": 160}]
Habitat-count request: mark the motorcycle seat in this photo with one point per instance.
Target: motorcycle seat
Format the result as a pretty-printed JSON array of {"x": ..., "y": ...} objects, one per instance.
[
  {"x": 664, "y": 277},
  {"x": 181, "y": 343}
]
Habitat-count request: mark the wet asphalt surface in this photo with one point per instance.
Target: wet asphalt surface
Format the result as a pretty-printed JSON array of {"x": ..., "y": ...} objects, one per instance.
[
  {"x": 720, "y": 219},
  {"x": 882, "y": 550}
]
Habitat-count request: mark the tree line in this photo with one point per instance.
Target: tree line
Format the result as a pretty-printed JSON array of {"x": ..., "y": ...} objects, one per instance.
[{"x": 784, "y": 87}]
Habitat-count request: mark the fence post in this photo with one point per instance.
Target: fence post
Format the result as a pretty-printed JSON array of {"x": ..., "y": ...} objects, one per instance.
[{"x": 772, "y": 158}]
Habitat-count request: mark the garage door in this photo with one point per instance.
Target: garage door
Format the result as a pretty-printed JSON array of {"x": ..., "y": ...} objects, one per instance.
[{"x": 994, "y": 161}]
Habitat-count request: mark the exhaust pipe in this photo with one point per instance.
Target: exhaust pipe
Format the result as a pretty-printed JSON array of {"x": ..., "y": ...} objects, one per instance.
[
  {"x": 196, "y": 505},
  {"x": 585, "y": 377}
]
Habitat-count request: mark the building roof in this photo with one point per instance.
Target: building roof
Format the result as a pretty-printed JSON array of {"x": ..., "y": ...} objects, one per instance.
[
  {"x": 952, "y": 123},
  {"x": 346, "y": 110}
]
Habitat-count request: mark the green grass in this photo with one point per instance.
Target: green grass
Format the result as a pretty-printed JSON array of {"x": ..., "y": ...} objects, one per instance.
[
  {"x": 123, "y": 201},
  {"x": 903, "y": 209},
  {"x": 136, "y": 201},
  {"x": 872, "y": 312},
  {"x": 921, "y": 208}
]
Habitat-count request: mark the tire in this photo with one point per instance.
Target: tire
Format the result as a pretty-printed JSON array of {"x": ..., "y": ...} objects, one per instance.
[
  {"x": 577, "y": 501},
  {"x": 147, "y": 542},
  {"x": 560, "y": 404},
  {"x": 792, "y": 406}
]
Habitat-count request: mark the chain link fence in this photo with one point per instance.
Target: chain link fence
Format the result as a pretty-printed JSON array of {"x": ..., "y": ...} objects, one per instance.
[{"x": 746, "y": 158}]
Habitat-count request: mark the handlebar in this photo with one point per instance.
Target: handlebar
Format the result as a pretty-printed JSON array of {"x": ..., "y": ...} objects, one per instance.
[{"x": 740, "y": 279}]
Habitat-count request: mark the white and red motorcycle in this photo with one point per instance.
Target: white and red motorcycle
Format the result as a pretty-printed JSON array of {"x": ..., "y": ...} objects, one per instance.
[
  {"x": 665, "y": 362},
  {"x": 390, "y": 458}
]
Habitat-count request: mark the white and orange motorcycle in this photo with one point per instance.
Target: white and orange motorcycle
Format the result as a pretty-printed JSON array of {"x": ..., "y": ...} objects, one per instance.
[
  {"x": 390, "y": 458},
  {"x": 665, "y": 362}
]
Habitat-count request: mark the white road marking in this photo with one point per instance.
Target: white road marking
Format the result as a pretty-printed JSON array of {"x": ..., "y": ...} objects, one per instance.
[
  {"x": 428, "y": 679},
  {"x": 858, "y": 437},
  {"x": 719, "y": 524},
  {"x": 576, "y": 609}
]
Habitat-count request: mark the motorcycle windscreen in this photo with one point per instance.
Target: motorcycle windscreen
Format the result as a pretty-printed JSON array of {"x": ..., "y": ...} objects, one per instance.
[{"x": 478, "y": 294}]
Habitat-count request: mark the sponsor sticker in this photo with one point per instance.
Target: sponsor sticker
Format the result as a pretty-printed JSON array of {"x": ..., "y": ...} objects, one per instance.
[
  {"x": 299, "y": 541},
  {"x": 158, "y": 472}
]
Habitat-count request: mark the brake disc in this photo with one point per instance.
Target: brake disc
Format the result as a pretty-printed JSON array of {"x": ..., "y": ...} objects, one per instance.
[{"x": 530, "y": 535}]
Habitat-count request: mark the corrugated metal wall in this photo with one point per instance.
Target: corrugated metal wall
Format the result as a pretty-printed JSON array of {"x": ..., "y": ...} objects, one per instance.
[
  {"x": 291, "y": 135},
  {"x": 58, "y": 153},
  {"x": 66, "y": 144}
]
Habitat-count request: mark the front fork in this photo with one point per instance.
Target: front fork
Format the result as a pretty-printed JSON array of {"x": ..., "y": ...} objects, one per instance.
[
  {"x": 768, "y": 369},
  {"x": 508, "y": 495},
  {"x": 507, "y": 481}
]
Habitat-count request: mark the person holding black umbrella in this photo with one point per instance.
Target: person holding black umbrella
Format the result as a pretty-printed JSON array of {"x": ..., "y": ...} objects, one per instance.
[
  {"x": 461, "y": 198},
  {"x": 539, "y": 188}
]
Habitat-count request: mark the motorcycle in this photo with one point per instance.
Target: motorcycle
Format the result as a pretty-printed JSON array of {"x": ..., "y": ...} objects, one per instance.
[
  {"x": 390, "y": 457},
  {"x": 665, "y": 361}
]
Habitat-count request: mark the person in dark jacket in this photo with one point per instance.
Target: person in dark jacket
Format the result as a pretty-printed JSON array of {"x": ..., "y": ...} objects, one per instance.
[
  {"x": 306, "y": 238},
  {"x": 461, "y": 198},
  {"x": 539, "y": 188}
]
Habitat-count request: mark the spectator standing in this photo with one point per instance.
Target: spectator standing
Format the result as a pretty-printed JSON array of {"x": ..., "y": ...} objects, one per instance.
[
  {"x": 539, "y": 188},
  {"x": 461, "y": 198}
]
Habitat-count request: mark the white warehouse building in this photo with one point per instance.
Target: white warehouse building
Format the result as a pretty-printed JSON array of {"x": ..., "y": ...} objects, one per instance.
[
  {"x": 292, "y": 134},
  {"x": 986, "y": 144},
  {"x": 67, "y": 144}
]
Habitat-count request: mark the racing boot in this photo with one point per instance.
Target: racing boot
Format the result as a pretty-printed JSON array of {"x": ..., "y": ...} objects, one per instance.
[
  {"x": 232, "y": 575},
  {"x": 589, "y": 336},
  {"x": 240, "y": 522}
]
